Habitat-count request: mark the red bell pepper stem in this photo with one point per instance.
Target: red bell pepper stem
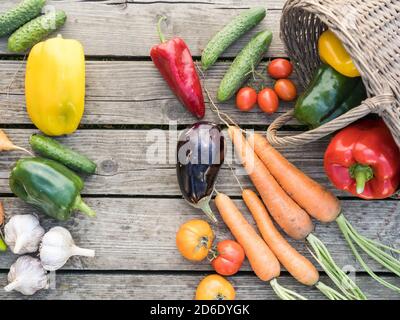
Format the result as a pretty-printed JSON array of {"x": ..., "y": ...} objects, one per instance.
[
  {"x": 362, "y": 174},
  {"x": 160, "y": 34}
]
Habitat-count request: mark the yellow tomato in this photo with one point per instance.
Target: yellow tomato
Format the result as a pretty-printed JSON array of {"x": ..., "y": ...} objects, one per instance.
[
  {"x": 194, "y": 239},
  {"x": 215, "y": 287}
]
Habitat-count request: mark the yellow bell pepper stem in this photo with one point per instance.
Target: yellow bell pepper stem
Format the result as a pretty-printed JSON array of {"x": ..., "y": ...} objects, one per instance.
[
  {"x": 332, "y": 52},
  {"x": 55, "y": 85}
]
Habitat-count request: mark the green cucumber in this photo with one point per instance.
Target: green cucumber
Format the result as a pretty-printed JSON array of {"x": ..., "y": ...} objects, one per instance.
[
  {"x": 35, "y": 30},
  {"x": 241, "y": 68},
  {"x": 52, "y": 149},
  {"x": 229, "y": 34},
  {"x": 19, "y": 15}
]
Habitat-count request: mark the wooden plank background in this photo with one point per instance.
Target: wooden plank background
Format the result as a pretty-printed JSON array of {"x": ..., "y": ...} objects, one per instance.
[{"x": 138, "y": 203}]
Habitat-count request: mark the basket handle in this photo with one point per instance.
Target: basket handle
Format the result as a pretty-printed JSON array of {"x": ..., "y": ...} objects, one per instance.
[{"x": 375, "y": 104}]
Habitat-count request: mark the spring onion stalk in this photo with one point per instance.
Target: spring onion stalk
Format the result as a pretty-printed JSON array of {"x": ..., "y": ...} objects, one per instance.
[
  {"x": 334, "y": 272},
  {"x": 372, "y": 248},
  {"x": 283, "y": 293}
]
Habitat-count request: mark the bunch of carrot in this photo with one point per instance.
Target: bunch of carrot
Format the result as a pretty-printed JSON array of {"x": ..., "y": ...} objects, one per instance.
[
  {"x": 290, "y": 203},
  {"x": 291, "y": 198},
  {"x": 325, "y": 207},
  {"x": 265, "y": 254}
]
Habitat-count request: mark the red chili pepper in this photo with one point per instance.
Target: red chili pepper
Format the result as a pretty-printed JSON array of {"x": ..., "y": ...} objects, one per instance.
[
  {"x": 174, "y": 61},
  {"x": 364, "y": 160}
]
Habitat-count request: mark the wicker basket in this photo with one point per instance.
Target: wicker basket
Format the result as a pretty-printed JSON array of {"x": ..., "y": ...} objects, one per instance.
[{"x": 370, "y": 31}]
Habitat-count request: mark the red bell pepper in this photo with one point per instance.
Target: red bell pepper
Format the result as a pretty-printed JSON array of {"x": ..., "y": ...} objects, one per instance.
[
  {"x": 174, "y": 61},
  {"x": 364, "y": 160}
]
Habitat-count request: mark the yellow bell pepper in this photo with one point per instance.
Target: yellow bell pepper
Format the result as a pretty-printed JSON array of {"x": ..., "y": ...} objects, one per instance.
[
  {"x": 55, "y": 85},
  {"x": 332, "y": 52}
]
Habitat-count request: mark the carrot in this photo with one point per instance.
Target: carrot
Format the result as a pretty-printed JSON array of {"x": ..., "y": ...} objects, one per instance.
[
  {"x": 7, "y": 145},
  {"x": 309, "y": 194},
  {"x": 263, "y": 262},
  {"x": 1, "y": 214},
  {"x": 286, "y": 212},
  {"x": 296, "y": 264}
]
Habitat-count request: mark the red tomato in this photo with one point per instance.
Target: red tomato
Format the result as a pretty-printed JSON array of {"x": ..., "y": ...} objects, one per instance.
[
  {"x": 246, "y": 98},
  {"x": 268, "y": 101},
  {"x": 285, "y": 89},
  {"x": 280, "y": 68},
  {"x": 228, "y": 257}
]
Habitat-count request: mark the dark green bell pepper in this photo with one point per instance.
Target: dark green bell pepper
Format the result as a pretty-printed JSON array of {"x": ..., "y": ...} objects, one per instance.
[
  {"x": 49, "y": 186},
  {"x": 329, "y": 95}
]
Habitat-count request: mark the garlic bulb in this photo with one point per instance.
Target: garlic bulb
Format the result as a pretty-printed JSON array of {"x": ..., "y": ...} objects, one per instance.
[
  {"x": 57, "y": 247},
  {"x": 23, "y": 233},
  {"x": 27, "y": 276}
]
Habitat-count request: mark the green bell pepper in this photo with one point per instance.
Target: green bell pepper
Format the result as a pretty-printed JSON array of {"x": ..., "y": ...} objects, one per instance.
[
  {"x": 48, "y": 186},
  {"x": 329, "y": 95}
]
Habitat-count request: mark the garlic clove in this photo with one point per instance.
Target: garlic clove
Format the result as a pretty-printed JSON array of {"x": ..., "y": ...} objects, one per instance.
[
  {"x": 23, "y": 233},
  {"x": 57, "y": 247},
  {"x": 27, "y": 276}
]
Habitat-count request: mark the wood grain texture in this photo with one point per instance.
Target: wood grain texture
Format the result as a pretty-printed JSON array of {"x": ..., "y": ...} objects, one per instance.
[
  {"x": 130, "y": 30},
  {"x": 142, "y": 162},
  {"x": 139, "y": 233},
  {"x": 129, "y": 93},
  {"x": 147, "y": 286},
  {"x": 271, "y": 4}
]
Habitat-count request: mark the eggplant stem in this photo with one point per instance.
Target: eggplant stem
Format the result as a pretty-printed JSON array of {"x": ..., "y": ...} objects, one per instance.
[{"x": 208, "y": 211}]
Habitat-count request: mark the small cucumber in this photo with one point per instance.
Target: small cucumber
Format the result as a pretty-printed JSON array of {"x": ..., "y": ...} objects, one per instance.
[
  {"x": 229, "y": 34},
  {"x": 241, "y": 67},
  {"x": 52, "y": 149},
  {"x": 19, "y": 15},
  {"x": 35, "y": 30}
]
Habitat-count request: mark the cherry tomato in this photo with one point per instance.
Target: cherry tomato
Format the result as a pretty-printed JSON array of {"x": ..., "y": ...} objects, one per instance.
[
  {"x": 246, "y": 99},
  {"x": 194, "y": 239},
  {"x": 280, "y": 68},
  {"x": 227, "y": 258},
  {"x": 268, "y": 100},
  {"x": 285, "y": 89},
  {"x": 215, "y": 287}
]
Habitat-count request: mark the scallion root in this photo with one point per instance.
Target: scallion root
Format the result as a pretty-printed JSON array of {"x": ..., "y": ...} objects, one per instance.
[
  {"x": 283, "y": 293},
  {"x": 372, "y": 248},
  {"x": 329, "y": 292},
  {"x": 336, "y": 274}
]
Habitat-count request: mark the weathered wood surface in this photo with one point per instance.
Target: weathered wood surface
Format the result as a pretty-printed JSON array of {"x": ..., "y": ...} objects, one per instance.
[
  {"x": 139, "y": 234},
  {"x": 130, "y": 30},
  {"x": 126, "y": 92},
  {"x": 145, "y": 286},
  {"x": 138, "y": 203},
  {"x": 128, "y": 164}
]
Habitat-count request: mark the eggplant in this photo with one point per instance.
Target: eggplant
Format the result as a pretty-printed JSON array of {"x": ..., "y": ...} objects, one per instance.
[{"x": 200, "y": 155}]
